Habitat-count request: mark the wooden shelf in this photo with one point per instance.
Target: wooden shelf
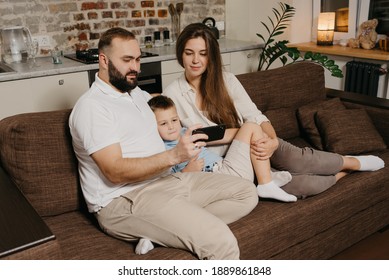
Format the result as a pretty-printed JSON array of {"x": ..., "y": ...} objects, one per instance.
[{"x": 375, "y": 54}]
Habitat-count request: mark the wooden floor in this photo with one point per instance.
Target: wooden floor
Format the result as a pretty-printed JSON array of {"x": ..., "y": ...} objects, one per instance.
[{"x": 374, "y": 247}]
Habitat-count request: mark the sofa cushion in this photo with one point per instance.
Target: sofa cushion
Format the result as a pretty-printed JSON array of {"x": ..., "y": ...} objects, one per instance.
[
  {"x": 36, "y": 151},
  {"x": 377, "y": 114},
  {"x": 306, "y": 116},
  {"x": 290, "y": 86},
  {"x": 279, "y": 92},
  {"x": 284, "y": 122},
  {"x": 348, "y": 131},
  {"x": 94, "y": 244}
]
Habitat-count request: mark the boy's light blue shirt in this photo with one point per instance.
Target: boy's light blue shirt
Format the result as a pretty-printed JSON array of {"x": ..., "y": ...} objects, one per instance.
[{"x": 210, "y": 158}]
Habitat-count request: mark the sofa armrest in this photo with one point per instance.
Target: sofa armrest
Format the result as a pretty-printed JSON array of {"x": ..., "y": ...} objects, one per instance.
[
  {"x": 22, "y": 227},
  {"x": 377, "y": 108},
  {"x": 358, "y": 98}
]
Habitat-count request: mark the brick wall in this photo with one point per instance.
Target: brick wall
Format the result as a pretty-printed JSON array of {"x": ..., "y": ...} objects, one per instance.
[{"x": 75, "y": 24}]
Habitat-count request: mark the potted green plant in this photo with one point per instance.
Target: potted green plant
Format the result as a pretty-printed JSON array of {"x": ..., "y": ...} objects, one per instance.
[{"x": 278, "y": 50}]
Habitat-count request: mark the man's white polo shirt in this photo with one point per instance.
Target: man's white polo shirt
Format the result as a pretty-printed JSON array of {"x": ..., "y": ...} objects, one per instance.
[{"x": 102, "y": 117}]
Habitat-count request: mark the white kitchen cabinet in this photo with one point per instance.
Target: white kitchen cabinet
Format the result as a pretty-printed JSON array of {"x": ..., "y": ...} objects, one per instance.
[
  {"x": 42, "y": 94},
  {"x": 244, "y": 61},
  {"x": 171, "y": 70}
]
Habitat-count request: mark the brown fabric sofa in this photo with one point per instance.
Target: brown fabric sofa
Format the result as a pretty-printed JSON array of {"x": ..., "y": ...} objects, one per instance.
[{"x": 36, "y": 153}]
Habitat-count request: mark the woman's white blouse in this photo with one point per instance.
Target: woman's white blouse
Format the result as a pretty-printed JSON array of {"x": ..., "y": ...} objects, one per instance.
[{"x": 184, "y": 97}]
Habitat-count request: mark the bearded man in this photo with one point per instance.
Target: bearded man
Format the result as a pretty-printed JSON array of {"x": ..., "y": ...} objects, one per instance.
[{"x": 125, "y": 169}]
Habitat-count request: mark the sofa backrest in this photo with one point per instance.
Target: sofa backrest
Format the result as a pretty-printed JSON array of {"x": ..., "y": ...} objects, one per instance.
[
  {"x": 36, "y": 151},
  {"x": 279, "y": 92}
]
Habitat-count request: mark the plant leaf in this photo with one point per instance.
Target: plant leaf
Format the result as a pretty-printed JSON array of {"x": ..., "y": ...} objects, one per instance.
[
  {"x": 272, "y": 23},
  {"x": 329, "y": 63},
  {"x": 277, "y": 33},
  {"x": 276, "y": 14},
  {"x": 267, "y": 28}
]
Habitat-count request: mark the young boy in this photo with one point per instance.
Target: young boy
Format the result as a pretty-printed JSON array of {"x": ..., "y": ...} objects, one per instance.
[{"x": 238, "y": 160}]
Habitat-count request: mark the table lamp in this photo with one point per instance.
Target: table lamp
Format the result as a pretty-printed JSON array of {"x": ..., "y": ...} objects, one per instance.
[{"x": 325, "y": 29}]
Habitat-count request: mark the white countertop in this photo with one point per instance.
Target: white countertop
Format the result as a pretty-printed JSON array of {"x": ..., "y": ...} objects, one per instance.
[{"x": 47, "y": 68}]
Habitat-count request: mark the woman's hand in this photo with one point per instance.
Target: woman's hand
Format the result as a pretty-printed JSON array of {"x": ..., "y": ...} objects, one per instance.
[{"x": 264, "y": 148}]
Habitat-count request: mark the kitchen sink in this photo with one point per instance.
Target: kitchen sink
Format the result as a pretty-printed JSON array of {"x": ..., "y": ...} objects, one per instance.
[{"x": 5, "y": 69}]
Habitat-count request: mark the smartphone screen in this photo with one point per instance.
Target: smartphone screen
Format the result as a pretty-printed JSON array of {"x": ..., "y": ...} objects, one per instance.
[{"x": 215, "y": 132}]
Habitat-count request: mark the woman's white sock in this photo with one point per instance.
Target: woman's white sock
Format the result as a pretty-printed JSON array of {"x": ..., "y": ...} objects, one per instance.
[
  {"x": 281, "y": 178},
  {"x": 369, "y": 163},
  {"x": 271, "y": 190},
  {"x": 144, "y": 245}
]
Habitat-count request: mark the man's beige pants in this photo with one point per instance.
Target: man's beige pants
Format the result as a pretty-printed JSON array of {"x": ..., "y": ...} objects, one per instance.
[{"x": 184, "y": 210}]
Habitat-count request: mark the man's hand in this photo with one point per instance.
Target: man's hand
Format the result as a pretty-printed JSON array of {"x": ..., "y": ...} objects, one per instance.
[
  {"x": 264, "y": 148},
  {"x": 186, "y": 148}
]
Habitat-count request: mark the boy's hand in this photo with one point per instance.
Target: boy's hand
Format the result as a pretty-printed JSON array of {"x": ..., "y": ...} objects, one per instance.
[{"x": 196, "y": 164}]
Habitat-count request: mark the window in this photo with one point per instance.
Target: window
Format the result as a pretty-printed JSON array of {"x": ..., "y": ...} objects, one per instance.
[
  {"x": 341, "y": 10},
  {"x": 379, "y": 9},
  {"x": 347, "y": 23}
]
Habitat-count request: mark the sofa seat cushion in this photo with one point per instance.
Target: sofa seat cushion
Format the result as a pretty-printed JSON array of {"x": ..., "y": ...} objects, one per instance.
[
  {"x": 288, "y": 225},
  {"x": 36, "y": 151},
  {"x": 80, "y": 238}
]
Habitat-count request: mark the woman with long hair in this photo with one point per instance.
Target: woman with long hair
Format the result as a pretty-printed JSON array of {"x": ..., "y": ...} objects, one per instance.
[{"x": 208, "y": 95}]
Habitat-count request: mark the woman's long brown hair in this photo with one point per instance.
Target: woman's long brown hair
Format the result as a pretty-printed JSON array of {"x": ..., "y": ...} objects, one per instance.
[{"x": 217, "y": 103}]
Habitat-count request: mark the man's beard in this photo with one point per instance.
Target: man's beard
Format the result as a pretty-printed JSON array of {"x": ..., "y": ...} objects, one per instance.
[{"x": 120, "y": 81}]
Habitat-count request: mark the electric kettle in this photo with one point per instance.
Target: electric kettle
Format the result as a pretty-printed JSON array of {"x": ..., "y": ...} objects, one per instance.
[
  {"x": 211, "y": 23},
  {"x": 15, "y": 43}
]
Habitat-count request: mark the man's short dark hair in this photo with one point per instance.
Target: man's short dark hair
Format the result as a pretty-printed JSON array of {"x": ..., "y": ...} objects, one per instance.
[{"x": 116, "y": 32}]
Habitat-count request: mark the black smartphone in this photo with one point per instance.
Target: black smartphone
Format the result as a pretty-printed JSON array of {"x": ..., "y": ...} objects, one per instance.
[{"x": 215, "y": 132}]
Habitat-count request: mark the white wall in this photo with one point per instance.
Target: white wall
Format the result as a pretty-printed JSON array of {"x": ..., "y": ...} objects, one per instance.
[
  {"x": 238, "y": 20},
  {"x": 243, "y": 19},
  {"x": 300, "y": 29}
]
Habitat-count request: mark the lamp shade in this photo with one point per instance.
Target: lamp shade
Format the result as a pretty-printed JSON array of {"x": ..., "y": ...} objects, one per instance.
[
  {"x": 325, "y": 29},
  {"x": 326, "y": 21}
]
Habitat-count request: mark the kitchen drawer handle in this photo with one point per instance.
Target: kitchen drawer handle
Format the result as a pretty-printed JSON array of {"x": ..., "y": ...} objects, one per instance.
[
  {"x": 61, "y": 82},
  {"x": 147, "y": 82}
]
